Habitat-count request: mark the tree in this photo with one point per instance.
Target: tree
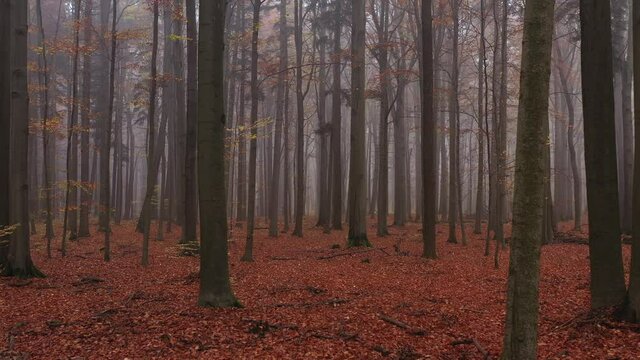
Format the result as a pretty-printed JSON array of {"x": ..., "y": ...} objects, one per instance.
[
  {"x": 482, "y": 73},
  {"x": 357, "y": 171},
  {"x": 274, "y": 195},
  {"x": 46, "y": 136},
  {"x": 428, "y": 136},
  {"x": 191, "y": 191},
  {"x": 300, "y": 183},
  {"x": 5, "y": 136},
  {"x": 105, "y": 189},
  {"x": 85, "y": 194},
  {"x": 71, "y": 198},
  {"x": 520, "y": 339},
  {"x": 633, "y": 301},
  {"x": 607, "y": 277},
  {"x": 253, "y": 142},
  {"x": 381, "y": 22},
  {"x": 215, "y": 286},
  {"x": 14, "y": 218},
  {"x": 336, "y": 123},
  {"x": 454, "y": 145}
]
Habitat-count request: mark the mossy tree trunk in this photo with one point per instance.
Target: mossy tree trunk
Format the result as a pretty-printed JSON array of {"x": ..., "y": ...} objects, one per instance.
[{"x": 520, "y": 338}]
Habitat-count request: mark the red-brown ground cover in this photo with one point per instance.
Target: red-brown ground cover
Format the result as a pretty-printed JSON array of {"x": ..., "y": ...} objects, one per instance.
[{"x": 299, "y": 302}]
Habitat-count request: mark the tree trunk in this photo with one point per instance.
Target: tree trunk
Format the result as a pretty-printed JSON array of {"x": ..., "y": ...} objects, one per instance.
[
  {"x": 191, "y": 191},
  {"x": 215, "y": 286},
  {"x": 520, "y": 339},
  {"x": 152, "y": 171},
  {"x": 482, "y": 132},
  {"x": 607, "y": 277},
  {"x": 357, "y": 182},
  {"x": 383, "y": 125},
  {"x": 428, "y": 136},
  {"x": 336, "y": 123},
  {"x": 70, "y": 222},
  {"x": 253, "y": 142},
  {"x": 85, "y": 194},
  {"x": 300, "y": 183},
  {"x": 633, "y": 301},
  {"x": 16, "y": 123}
]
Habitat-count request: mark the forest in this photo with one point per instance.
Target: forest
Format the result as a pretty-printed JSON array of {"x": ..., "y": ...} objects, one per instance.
[{"x": 306, "y": 179}]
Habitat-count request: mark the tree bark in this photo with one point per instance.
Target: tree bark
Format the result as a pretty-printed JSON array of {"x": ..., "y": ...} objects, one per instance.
[
  {"x": 152, "y": 171},
  {"x": 300, "y": 183},
  {"x": 253, "y": 142},
  {"x": 357, "y": 182},
  {"x": 428, "y": 136},
  {"x": 607, "y": 277},
  {"x": 521, "y": 328},
  {"x": 633, "y": 300},
  {"x": 336, "y": 123},
  {"x": 215, "y": 286},
  {"x": 191, "y": 191}
]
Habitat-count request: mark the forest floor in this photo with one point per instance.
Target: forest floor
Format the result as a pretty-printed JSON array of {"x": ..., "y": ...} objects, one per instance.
[{"x": 303, "y": 298}]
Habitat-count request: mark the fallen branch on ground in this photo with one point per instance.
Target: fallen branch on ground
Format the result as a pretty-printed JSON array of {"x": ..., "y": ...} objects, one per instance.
[
  {"x": 362, "y": 251},
  {"x": 473, "y": 342},
  {"x": 410, "y": 329}
]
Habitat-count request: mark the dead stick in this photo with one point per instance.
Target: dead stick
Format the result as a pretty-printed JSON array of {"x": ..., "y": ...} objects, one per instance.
[
  {"x": 346, "y": 253},
  {"x": 400, "y": 324}
]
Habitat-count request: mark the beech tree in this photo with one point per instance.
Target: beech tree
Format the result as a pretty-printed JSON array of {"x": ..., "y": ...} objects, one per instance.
[
  {"x": 15, "y": 259},
  {"x": 215, "y": 286},
  {"x": 520, "y": 339},
  {"x": 357, "y": 182},
  {"x": 605, "y": 248}
]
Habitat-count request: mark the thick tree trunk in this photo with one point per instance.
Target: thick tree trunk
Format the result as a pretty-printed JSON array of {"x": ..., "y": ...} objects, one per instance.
[
  {"x": 15, "y": 117},
  {"x": 520, "y": 339},
  {"x": 215, "y": 286},
  {"x": 607, "y": 277},
  {"x": 633, "y": 301}
]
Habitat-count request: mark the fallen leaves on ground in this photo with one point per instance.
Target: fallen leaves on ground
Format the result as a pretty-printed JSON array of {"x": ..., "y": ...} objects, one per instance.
[{"x": 303, "y": 298}]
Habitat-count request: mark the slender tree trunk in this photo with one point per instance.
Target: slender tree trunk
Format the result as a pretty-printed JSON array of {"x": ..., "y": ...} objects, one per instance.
[
  {"x": 300, "y": 183},
  {"x": 428, "y": 136},
  {"x": 46, "y": 133},
  {"x": 191, "y": 193},
  {"x": 152, "y": 171},
  {"x": 607, "y": 277},
  {"x": 453, "y": 130},
  {"x": 383, "y": 125},
  {"x": 482, "y": 67},
  {"x": 274, "y": 195},
  {"x": 253, "y": 142},
  {"x": 241, "y": 200},
  {"x": 71, "y": 199},
  {"x": 85, "y": 194},
  {"x": 336, "y": 123}
]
